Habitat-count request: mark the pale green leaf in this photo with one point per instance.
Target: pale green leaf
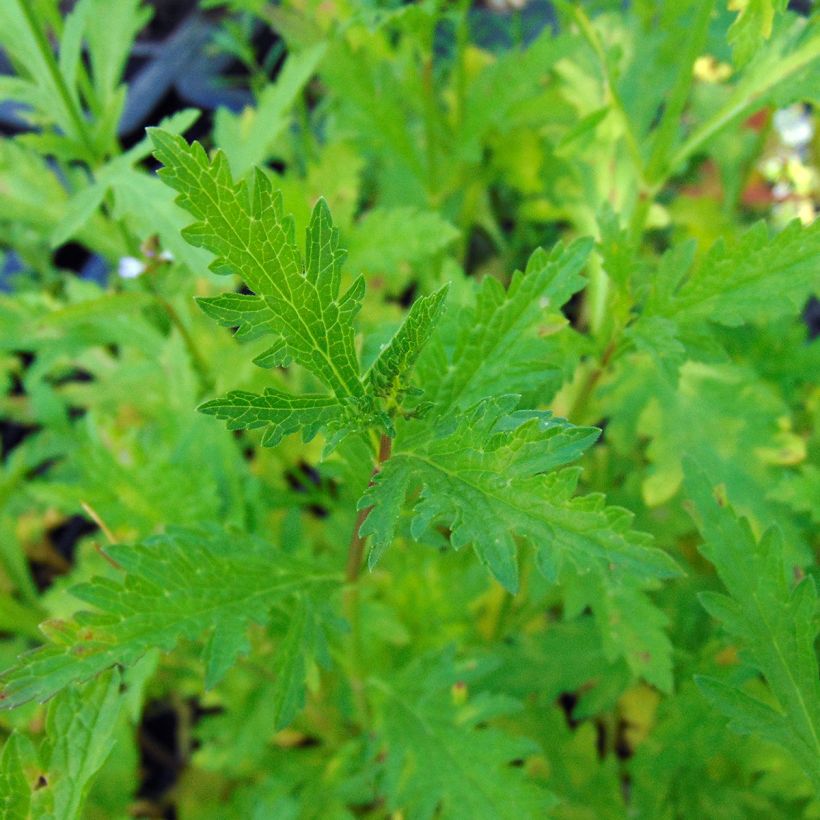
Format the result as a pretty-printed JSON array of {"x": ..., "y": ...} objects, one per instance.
[
  {"x": 80, "y": 725},
  {"x": 504, "y": 343},
  {"x": 774, "y": 620},
  {"x": 248, "y": 137}
]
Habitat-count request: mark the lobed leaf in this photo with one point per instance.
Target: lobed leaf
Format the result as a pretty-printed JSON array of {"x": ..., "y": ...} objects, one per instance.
[
  {"x": 442, "y": 760},
  {"x": 773, "y": 619},
  {"x": 493, "y": 477},
  {"x": 281, "y": 413},
  {"x": 756, "y": 278},
  {"x": 251, "y": 236},
  {"x": 502, "y": 343},
  {"x": 177, "y": 585},
  {"x": 296, "y": 300}
]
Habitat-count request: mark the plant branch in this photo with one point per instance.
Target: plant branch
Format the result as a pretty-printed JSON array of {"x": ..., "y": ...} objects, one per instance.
[
  {"x": 72, "y": 111},
  {"x": 355, "y": 555},
  {"x": 737, "y": 107},
  {"x": 676, "y": 101},
  {"x": 588, "y": 385}
]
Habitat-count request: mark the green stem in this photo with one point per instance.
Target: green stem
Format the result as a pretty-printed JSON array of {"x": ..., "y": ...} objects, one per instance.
[
  {"x": 734, "y": 109},
  {"x": 591, "y": 36},
  {"x": 355, "y": 555},
  {"x": 580, "y": 403},
  {"x": 670, "y": 121},
  {"x": 43, "y": 46},
  {"x": 200, "y": 364}
]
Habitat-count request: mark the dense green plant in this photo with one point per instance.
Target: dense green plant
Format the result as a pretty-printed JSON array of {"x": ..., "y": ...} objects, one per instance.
[{"x": 460, "y": 541}]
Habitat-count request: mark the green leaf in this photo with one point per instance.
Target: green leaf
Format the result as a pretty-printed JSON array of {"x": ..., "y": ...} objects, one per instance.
[
  {"x": 280, "y": 412},
  {"x": 247, "y": 313},
  {"x": 388, "y": 375},
  {"x": 252, "y": 237},
  {"x": 174, "y": 588},
  {"x": 493, "y": 477},
  {"x": 754, "y": 279},
  {"x": 773, "y": 619},
  {"x": 752, "y": 27},
  {"x": 503, "y": 342},
  {"x": 80, "y": 726},
  {"x": 440, "y": 762},
  {"x": 296, "y": 300},
  {"x": 15, "y": 794},
  {"x": 247, "y": 138}
]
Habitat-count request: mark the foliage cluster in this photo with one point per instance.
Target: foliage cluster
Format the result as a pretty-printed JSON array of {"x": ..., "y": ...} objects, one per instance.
[{"x": 502, "y": 499}]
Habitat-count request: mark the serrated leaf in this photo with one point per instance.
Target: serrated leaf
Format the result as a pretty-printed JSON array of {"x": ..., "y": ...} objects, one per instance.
[
  {"x": 296, "y": 301},
  {"x": 388, "y": 375},
  {"x": 756, "y": 278},
  {"x": 280, "y": 412},
  {"x": 251, "y": 236},
  {"x": 495, "y": 477},
  {"x": 502, "y": 343},
  {"x": 440, "y": 762},
  {"x": 774, "y": 621},
  {"x": 174, "y": 587}
]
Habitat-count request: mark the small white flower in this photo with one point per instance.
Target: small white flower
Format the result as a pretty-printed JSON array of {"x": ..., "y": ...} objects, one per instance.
[
  {"x": 130, "y": 267},
  {"x": 794, "y": 125},
  {"x": 166, "y": 256},
  {"x": 781, "y": 190}
]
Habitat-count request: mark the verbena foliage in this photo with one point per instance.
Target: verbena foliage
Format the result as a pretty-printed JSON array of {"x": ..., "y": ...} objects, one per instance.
[{"x": 512, "y": 532}]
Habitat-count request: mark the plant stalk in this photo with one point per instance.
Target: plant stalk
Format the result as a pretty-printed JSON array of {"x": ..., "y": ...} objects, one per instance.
[
  {"x": 355, "y": 552},
  {"x": 588, "y": 385},
  {"x": 355, "y": 555},
  {"x": 82, "y": 134}
]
